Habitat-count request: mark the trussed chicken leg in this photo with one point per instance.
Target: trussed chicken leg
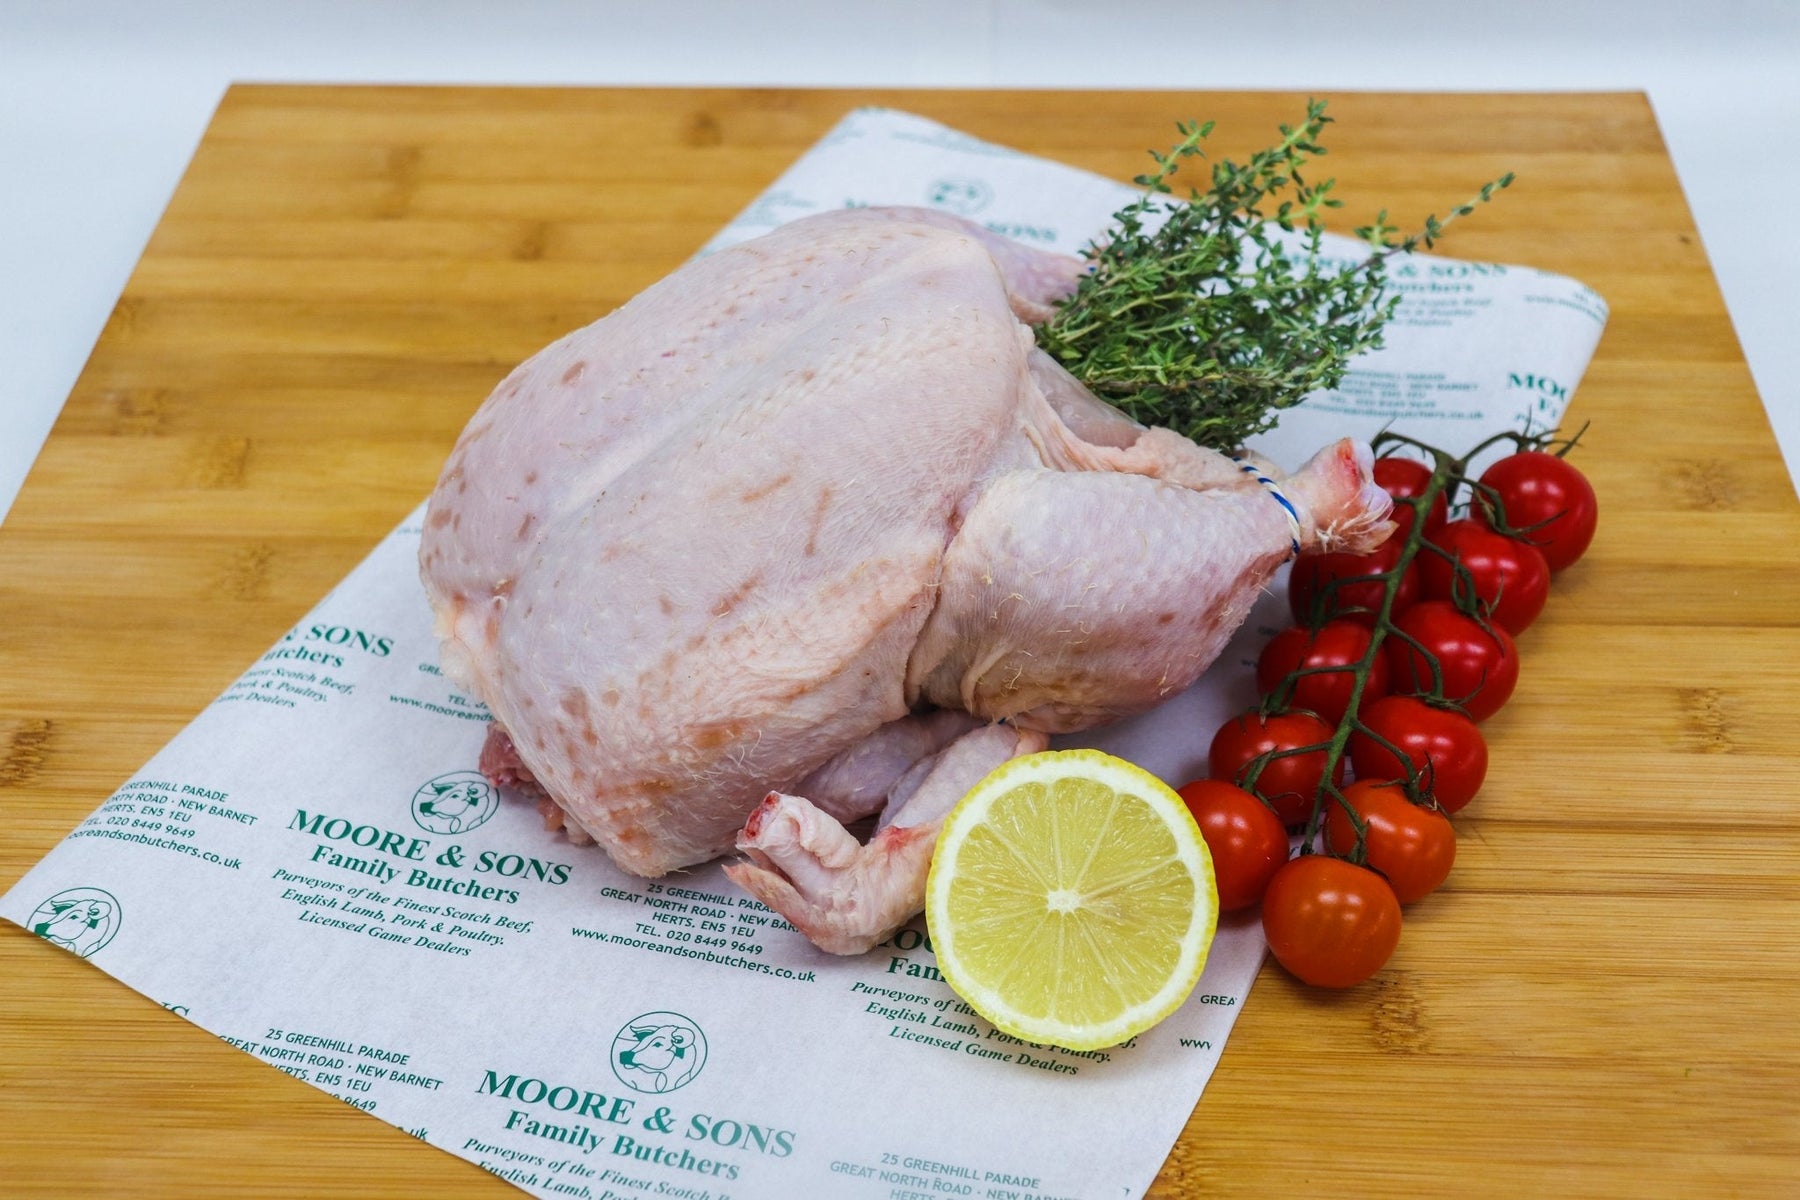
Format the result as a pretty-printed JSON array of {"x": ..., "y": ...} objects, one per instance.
[
  {"x": 845, "y": 895},
  {"x": 1059, "y": 610}
]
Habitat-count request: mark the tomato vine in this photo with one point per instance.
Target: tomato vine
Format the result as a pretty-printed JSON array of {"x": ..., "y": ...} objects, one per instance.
[{"x": 1434, "y": 663}]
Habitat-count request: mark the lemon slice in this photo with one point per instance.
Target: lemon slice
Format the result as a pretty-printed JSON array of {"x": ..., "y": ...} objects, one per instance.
[{"x": 1071, "y": 899}]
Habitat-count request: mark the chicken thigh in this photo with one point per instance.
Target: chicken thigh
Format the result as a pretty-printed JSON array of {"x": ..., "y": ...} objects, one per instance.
[{"x": 810, "y": 531}]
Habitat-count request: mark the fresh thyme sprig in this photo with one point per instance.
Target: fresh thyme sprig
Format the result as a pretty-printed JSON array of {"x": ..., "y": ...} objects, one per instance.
[{"x": 1204, "y": 317}]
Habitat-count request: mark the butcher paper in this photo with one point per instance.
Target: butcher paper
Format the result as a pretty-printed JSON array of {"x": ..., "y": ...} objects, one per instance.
[{"x": 382, "y": 924}]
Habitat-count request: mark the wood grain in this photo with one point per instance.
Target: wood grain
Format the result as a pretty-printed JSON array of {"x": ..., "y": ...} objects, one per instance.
[{"x": 1597, "y": 1005}]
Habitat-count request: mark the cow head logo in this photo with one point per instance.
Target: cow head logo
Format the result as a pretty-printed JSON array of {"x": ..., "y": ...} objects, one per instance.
[
  {"x": 454, "y": 803},
  {"x": 658, "y": 1052},
  {"x": 80, "y": 920}
]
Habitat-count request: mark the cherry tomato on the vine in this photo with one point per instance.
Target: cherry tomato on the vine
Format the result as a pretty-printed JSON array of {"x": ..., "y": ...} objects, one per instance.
[
  {"x": 1246, "y": 840},
  {"x": 1289, "y": 782},
  {"x": 1480, "y": 666},
  {"x": 1329, "y": 922},
  {"x": 1358, "y": 602},
  {"x": 1404, "y": 478},
  {"x": 1539, "y": 489},
  {"x": 1412, "y": 846},
  {"x": 1510, "y": 576},
  {"x": 1333, "y": 651},
  {"x": 1444, "y": 747}
]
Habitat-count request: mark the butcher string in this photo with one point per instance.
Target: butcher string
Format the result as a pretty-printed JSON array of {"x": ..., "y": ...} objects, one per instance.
[{"x": 1274, "y": 489}]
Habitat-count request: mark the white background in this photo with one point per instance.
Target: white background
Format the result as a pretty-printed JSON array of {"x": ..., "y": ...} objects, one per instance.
[{"x": 103, "y": 101}]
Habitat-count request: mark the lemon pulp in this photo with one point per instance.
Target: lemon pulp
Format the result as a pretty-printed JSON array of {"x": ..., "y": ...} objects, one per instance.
[{"x": 1071, "y": 899}]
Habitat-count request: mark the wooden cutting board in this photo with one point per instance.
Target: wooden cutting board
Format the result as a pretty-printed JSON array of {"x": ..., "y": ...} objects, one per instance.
[{"x": 1600, "y": 1001}]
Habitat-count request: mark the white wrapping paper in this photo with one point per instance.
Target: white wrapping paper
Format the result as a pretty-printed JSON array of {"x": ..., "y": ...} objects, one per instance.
[{"x": 314, "y": 870}]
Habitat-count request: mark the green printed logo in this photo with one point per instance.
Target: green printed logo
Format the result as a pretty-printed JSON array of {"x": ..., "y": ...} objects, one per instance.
[
  {"x": 960, "y": 196},
  {"x": 455, "y": 803},
  {"x": 80, "y": 920},
  {"x": 658, "y": 1052}
]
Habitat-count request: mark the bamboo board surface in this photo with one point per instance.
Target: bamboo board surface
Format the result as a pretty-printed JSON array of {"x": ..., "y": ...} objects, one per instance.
[{"x": 1598, "y": 1003}]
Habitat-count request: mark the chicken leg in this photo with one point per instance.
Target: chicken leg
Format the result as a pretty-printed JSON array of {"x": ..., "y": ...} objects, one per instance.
[{"x": 846, "y": 895}]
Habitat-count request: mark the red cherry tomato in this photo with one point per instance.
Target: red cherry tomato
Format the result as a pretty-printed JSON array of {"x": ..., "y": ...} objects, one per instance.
[
  {"x": 1357, "y": 602},
  {"x": 1412, "y": 846},
  {"x": 1445, "y": 749},
  {"x": 1289, "y": 782},
  {"x": 1329, "y": 922},
  {"x": 1332, "y": 650},
  {"x": 1480, "y": 666},
  {"x": 1404, "y": 478},
  {"x": 1510, "y": 576},
  {"x": 1549, "y": 502},
  {"x": 1246, "y": 840}
]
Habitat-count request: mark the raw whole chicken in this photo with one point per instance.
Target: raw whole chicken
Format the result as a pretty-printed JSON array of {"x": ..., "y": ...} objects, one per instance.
[{"x": 811, "y": 531}]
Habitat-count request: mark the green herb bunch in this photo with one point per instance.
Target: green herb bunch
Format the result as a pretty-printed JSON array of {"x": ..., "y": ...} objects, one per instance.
[{"x": 1200, "y": 316}]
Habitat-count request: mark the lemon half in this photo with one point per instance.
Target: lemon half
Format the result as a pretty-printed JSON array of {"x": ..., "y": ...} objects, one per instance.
[{"x": 1071, "y": 899}]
